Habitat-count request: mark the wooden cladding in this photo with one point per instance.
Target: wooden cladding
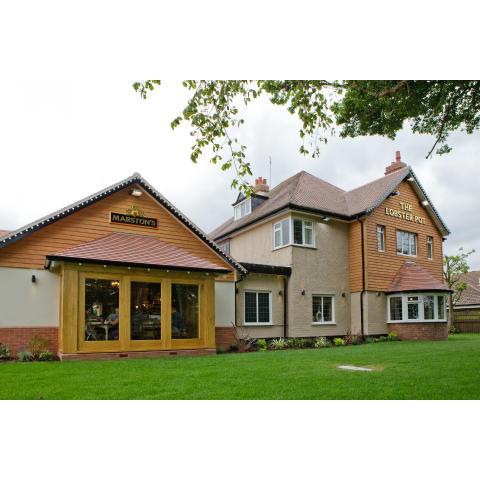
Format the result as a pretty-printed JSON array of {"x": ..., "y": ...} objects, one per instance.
[
  {"x": 94, "y": 222},
  {"x": 381, "y": 267}
]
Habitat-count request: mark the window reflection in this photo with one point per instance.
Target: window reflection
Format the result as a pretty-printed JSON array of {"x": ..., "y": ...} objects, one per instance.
[
  {"x": 101, "y": 309},
  {"x": 185, "y": 311},
  {"x": 145, "y": 308}
]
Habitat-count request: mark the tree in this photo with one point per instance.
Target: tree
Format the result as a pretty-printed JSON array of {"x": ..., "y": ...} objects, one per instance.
[
  {"x": 455, "y": 267},
  {"x": 354, "y": 107}
]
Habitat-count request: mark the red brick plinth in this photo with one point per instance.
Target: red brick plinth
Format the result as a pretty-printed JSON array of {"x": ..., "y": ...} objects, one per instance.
[
  {"x": 420, "y": 331},
  {"x": 224, "y": 337},
  {"x": 145, "y": 354},
  {"x": 18, "y": 338}
]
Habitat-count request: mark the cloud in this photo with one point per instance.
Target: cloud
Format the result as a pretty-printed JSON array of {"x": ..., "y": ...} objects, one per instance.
[{"x": 61, "y": 142}]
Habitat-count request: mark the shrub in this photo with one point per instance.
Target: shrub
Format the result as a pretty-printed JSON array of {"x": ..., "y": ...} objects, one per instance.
[
  {"x": 382, "y": 338},
  {"x": 309, "y": 342},
  {"x": 357, "y": 340},
  {"x": 24, "y": 356},
  {"x": 370, "y": 340},
  {"x": 4, "y": 352},
  {"x": 278, "y": 344},
  {"x": 322, "y": 342},
  {"x": 452, "y": 330},
  {"x": 339, "y": 342},
  {"x": 37, "y": 345},
  {"x": 393, "y": 336},
  {"x": 262, "y": 345},
  {"x": 296, "y": 343},
  {"x": 243, "y": 342},
  {"x": 46, "y": 356}
]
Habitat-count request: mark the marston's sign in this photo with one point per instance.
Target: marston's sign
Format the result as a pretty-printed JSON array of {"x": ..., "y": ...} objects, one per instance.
[
  {"x": 133, "y": 220},
  {"x": 405, "y": 212}
]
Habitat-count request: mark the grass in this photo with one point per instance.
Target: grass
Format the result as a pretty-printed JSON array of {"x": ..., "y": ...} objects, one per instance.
[{"x": 404, "y": 370}]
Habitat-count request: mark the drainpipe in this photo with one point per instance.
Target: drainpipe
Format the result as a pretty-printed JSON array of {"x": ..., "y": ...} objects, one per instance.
[
  {"x": 362, "y": 330},
  {"x": 285, "y": 307},
  {"x": 235, "y": 288}
]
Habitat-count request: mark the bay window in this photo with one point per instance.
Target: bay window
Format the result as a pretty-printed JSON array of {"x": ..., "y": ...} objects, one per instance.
[
  {"x": 281, "y": 233},
  {"x": 303, "y": 232},
  {"x": 417, "y": 307},
  {"x": 406, "y": 243}
]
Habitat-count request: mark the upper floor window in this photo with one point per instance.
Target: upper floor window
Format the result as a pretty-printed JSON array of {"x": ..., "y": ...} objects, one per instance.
[
  {"x": 281, "y": 233},
  {"x": 225, "y": 247},
  {"x": 380, "y": 238},
  {"x": 429, "y": 248},
  {"x": 303, "y": 232},
  {"x": 242, "y": 209},
  {"x": 406, "y": 243}
]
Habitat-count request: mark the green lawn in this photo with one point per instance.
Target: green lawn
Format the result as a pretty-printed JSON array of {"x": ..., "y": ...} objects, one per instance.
[{"x": 405, "y": 370}]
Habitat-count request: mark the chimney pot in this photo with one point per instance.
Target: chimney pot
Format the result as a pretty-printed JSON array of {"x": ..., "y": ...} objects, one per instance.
[
  {"x": 397, "y": 156},
  {"x": 396, "y": 165},
  {"x": 261, "y": 185}
]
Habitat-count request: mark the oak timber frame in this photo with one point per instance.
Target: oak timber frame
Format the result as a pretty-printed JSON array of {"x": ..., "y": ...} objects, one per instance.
[{"x": 72, "y": 308}]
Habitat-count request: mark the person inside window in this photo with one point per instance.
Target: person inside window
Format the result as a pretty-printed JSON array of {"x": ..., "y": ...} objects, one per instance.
[
  {"x": 178, "y": 323},
  {"x": 113, "y": 320}
]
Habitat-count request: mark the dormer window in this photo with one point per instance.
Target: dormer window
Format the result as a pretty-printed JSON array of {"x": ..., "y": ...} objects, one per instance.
[{"x": 242, "y": 209}]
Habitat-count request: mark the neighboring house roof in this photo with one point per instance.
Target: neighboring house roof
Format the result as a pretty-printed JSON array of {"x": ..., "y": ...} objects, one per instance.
[
  {"x": 304, "y": 191},
  {"x": 136, "y": 178},
  {"x": 471, "y": 295},
  {"x": 129, "y": 249},
  {"x": 412, "y": 277}
]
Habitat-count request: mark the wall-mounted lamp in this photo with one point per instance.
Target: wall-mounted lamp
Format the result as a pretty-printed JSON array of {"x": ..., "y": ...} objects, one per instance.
[
  {"x": 236, "y": 290},
  {"x": 343, "y": 294},
  {"x": 302, "y": 291},
  {"x": 379, "y": 294},
  {"x": 326, "y": 219},
  {"x": 425, "y": 203},
  {"x": 280, "y": 292},
  {"x": 136, "y": 192},
  {"x": 410, "y": 179},
  {"x": 395, "y": 193},
  {"x": 34, "y": 279}
]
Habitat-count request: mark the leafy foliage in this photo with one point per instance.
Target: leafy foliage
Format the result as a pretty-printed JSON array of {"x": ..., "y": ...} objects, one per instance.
[
  {"x": 37, "y": 345},
  {"x": 355, "y": 107},
  {"x": 278, "y": 344},
  {"x": 339, "y": 342},
  {"x": 4, "y": 352},
  {"x": 25, "y": 356},
  {"x": 262, "y": 345},
  {"x": 322, "y": 342}
]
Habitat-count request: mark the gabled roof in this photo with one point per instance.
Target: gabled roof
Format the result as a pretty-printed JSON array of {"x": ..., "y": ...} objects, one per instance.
[
  {"x": 471, "y": 295},
  {"x": 136, "y": 178},
  {"x": 129, "y": 249},
  {"x": 412, "y": 277},
  {"x": 306, "y": 192}
]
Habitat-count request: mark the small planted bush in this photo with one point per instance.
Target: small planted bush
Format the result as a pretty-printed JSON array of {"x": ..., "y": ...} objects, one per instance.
[
  {"x": 4, "y": 352},
  {"x": 356, "y": 340},
  {"x": 339, "y": 342},
  {"x": 322, "y": 342},
  {"x": 452, "y": 330},
  {"x": 297, "y": 343},
  {"x": 46, "y": 356},
  {"x": 261, "y": 345},
  {"x": 36, "y": 346},
  {"x": 25, "y": 356},
  {"x": 393, "y": 336},
  {"x": 278, "y": 344}
]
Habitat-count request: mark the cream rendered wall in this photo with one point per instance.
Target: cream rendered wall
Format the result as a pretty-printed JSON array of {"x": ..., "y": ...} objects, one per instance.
[
  {"x": 224, "y": 304},
  {"x": 269, "y": 283},
  {"x": 256, "y": 246},
  {"x": 355, "y": 317},
  {"x": 323, "y": 270},
  {"x": 375, "y": 313},
  {"x": 27, "y": 304}
]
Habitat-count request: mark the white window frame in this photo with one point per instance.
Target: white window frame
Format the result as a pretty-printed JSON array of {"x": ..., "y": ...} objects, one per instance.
[
  {"x": 429, "y": 243},
  {"x": 277, "y": 226},
  {"x": 421, "y": 311},
  {"x": 381, "y": 231},
  {"x": 409, "y": 235},
  {"x": 324, "y": 295},
  {"x": 257, "y": 323},
  {"x": 237, "y": 209},
  {"x": 312, "y": 227}
]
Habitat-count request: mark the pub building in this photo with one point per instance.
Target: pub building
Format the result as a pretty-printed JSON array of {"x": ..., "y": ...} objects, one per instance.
[{"x": 123, "y": 273}]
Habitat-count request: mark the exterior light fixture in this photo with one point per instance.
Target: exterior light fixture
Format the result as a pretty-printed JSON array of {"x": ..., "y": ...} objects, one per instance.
[
  {"x": 302, "y": 291},
  {"x": 34, "y": 279},
  {"x": 425, "y": 203},
  {"x": 410, "y": 179},
  {"x": 280, "y": 292},
  {"x": 326, "y": 219},
  {"x": 136, "y": 192},
  {"x": 343, "y": 294},
  {"x": 395, "y": 193}
]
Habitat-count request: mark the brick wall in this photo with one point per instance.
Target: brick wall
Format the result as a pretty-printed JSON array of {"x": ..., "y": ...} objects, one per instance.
[
  {"x": 420, "y": 331},
  {"x": 18, "y": 338},
  {"x": 224, "y": 336}
]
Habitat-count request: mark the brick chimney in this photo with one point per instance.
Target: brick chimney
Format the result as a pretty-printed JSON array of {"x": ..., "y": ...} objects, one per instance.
[
  {"x": 396, "y": 165},
  {"x": 261, "y": 185}
]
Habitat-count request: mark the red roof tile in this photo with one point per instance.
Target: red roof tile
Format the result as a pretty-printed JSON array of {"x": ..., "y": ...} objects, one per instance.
[
  {"x": 412, "y": 277},
  {"x": 132, "y": 249}
]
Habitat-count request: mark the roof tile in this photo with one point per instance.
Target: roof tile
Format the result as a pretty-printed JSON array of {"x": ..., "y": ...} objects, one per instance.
[{"x": 413, "y": 277}]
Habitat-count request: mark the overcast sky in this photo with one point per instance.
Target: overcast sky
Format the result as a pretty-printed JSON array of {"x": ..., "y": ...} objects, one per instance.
[{"x": 61, "y": 141}]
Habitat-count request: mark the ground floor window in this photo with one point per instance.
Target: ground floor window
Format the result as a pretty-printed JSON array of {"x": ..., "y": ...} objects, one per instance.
[
  {"x": 323, "y": 309},
  {"x": 185, "y": 311},
  {"x": 257, "y": 307},
  {"x": 145, "y": 311},
  {"x": 101, "y": 309},
  {"x": 415, "y": 307}
]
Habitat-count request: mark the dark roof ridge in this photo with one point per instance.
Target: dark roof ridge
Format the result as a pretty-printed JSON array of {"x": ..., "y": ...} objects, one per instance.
[
  {"x": 322, "y": 180},
  {"x": 377, "y": 179}
]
